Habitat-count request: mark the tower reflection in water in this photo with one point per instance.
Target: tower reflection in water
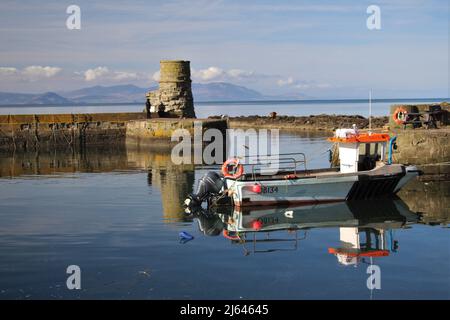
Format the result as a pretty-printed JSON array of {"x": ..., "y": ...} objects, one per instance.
[
  {"x": 365, "y": 227},
  {"x": 173, "y": 181}
]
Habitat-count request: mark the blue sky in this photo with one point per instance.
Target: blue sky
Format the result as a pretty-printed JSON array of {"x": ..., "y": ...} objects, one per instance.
[{"x": 316, "y": 49}]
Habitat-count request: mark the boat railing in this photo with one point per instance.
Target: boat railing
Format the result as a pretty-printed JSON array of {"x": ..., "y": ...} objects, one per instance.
[
  {"x": 254, "y": 241},
  {"x": 290, "y": 162}
]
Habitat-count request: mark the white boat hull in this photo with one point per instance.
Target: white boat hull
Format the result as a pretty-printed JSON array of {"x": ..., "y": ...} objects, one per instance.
[{"x": 321, "y": 188}]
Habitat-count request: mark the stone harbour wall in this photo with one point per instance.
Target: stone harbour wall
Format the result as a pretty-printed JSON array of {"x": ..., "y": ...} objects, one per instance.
[
  {"x": 419, "y": 108},
  {"x": 32, "y": 132},
  {"x": 148, "y": 131},
  {"x": 45, "y": 132},
  {"x": 422, "y": 146},
  {"x": 321, "y": 122},
  {"x": 429, "y": 149}
]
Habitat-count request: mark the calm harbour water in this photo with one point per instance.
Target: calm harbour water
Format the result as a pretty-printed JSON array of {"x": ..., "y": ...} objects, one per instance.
[{"x": 117, "y": 214}]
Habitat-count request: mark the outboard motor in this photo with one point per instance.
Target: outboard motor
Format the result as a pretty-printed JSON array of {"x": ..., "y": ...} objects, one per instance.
[
  {"x": 209, "y": 185},
  {"x": 209, "y": 222},
  {"x": 210, "y": 225}
]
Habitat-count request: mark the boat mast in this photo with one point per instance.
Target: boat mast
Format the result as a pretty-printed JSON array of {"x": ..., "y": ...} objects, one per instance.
[{"x": 370, "y": 111}]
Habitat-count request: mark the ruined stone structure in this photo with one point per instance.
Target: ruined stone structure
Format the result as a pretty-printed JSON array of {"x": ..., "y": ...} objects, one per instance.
[{"x": 174, "y": 96}]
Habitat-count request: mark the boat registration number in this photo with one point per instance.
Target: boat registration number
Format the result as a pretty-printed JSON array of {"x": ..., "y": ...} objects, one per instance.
[{"x": 269, "y": 189}]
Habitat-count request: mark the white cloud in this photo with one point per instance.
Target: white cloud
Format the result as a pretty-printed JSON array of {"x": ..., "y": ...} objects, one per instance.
[
  {"x": 7, "y": 71},
  {"x": 214, "y": 73},
  {"x": 299, "y": 84},
  {"x": 125, "y": 76},
  {"x": 37, "y": 72},
  {"x": 286, "y": 82},
  {"x": 93, "y": 74},
  {"x": 238, "y": 73},
  {"x": 312, "y": 85},
  {"x": 211, "y": 73},
  {"x": 156, "y": 76},
  {"x": 29, "y": 73},
  {"x": 105, "y": 74}
]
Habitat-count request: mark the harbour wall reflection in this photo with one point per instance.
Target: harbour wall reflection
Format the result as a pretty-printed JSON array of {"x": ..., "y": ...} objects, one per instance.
[{"x": 173, "y": 181}]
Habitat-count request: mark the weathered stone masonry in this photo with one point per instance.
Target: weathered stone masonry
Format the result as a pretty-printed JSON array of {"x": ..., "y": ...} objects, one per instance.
[
  {"x": 174, "y": 96},
  {"x": 32, "y": 132}
]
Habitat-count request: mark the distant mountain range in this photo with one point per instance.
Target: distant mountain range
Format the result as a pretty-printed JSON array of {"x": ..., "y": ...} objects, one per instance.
[
  {"x": 215, "y": 91},
  {"x": 222, "y": 91},
  {"x": 112, "y": 94},
  {"x": 7, "y": 98}
]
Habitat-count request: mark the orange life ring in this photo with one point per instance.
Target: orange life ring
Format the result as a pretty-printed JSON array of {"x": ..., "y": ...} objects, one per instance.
[
  {"x": 399, "y": 115},
  {"x": 238, "y": 171},
  {"x": 226, "y": 235}
]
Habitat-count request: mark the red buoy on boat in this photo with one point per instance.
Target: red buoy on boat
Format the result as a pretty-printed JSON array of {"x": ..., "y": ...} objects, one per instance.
[
  {"x": 257, "y": 225},
  {"x": 256, "y": 188}
]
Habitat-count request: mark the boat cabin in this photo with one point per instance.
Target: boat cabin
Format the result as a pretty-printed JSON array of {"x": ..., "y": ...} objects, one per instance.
[
  {"x": 358, "y": 243},
  {"x": 359, "y": 151}
]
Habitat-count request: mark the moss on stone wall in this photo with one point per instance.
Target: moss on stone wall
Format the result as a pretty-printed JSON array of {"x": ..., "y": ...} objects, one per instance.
[{"x": 422, "y": 146}]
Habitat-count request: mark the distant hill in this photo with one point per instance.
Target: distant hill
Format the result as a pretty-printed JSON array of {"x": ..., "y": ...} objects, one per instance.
[
  {"x": 29, "y": 98},
  {"x": 49, "y": 98},
  {"x": 222, "y": 91},
  {"x": 215, "y": 91},
  {"x": 111, "y": 94}
]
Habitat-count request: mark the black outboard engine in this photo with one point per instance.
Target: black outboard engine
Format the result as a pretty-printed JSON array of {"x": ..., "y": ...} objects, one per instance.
[
  {"x": 209, "y": 185},
  {"x": 210, "y": 225},
  {"x": 209, "y": 222}
]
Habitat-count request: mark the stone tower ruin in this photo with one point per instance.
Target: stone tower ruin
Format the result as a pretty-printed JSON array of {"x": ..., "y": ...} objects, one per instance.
[{"x": 174, "y": 96}]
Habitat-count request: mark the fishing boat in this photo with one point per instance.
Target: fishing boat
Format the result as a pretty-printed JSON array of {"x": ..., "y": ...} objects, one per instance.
[{"x": 365, "y": 172}]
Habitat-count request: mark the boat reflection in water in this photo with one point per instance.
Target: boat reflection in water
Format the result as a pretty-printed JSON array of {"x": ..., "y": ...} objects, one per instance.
[{"x": 365, "y": 226}]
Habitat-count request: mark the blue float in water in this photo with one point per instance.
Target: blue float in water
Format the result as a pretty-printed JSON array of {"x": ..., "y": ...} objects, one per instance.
[{"x": 185, "y": 237}]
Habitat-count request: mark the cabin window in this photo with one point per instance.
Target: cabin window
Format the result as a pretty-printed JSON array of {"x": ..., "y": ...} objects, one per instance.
[{"x": 369, "y": 154}]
